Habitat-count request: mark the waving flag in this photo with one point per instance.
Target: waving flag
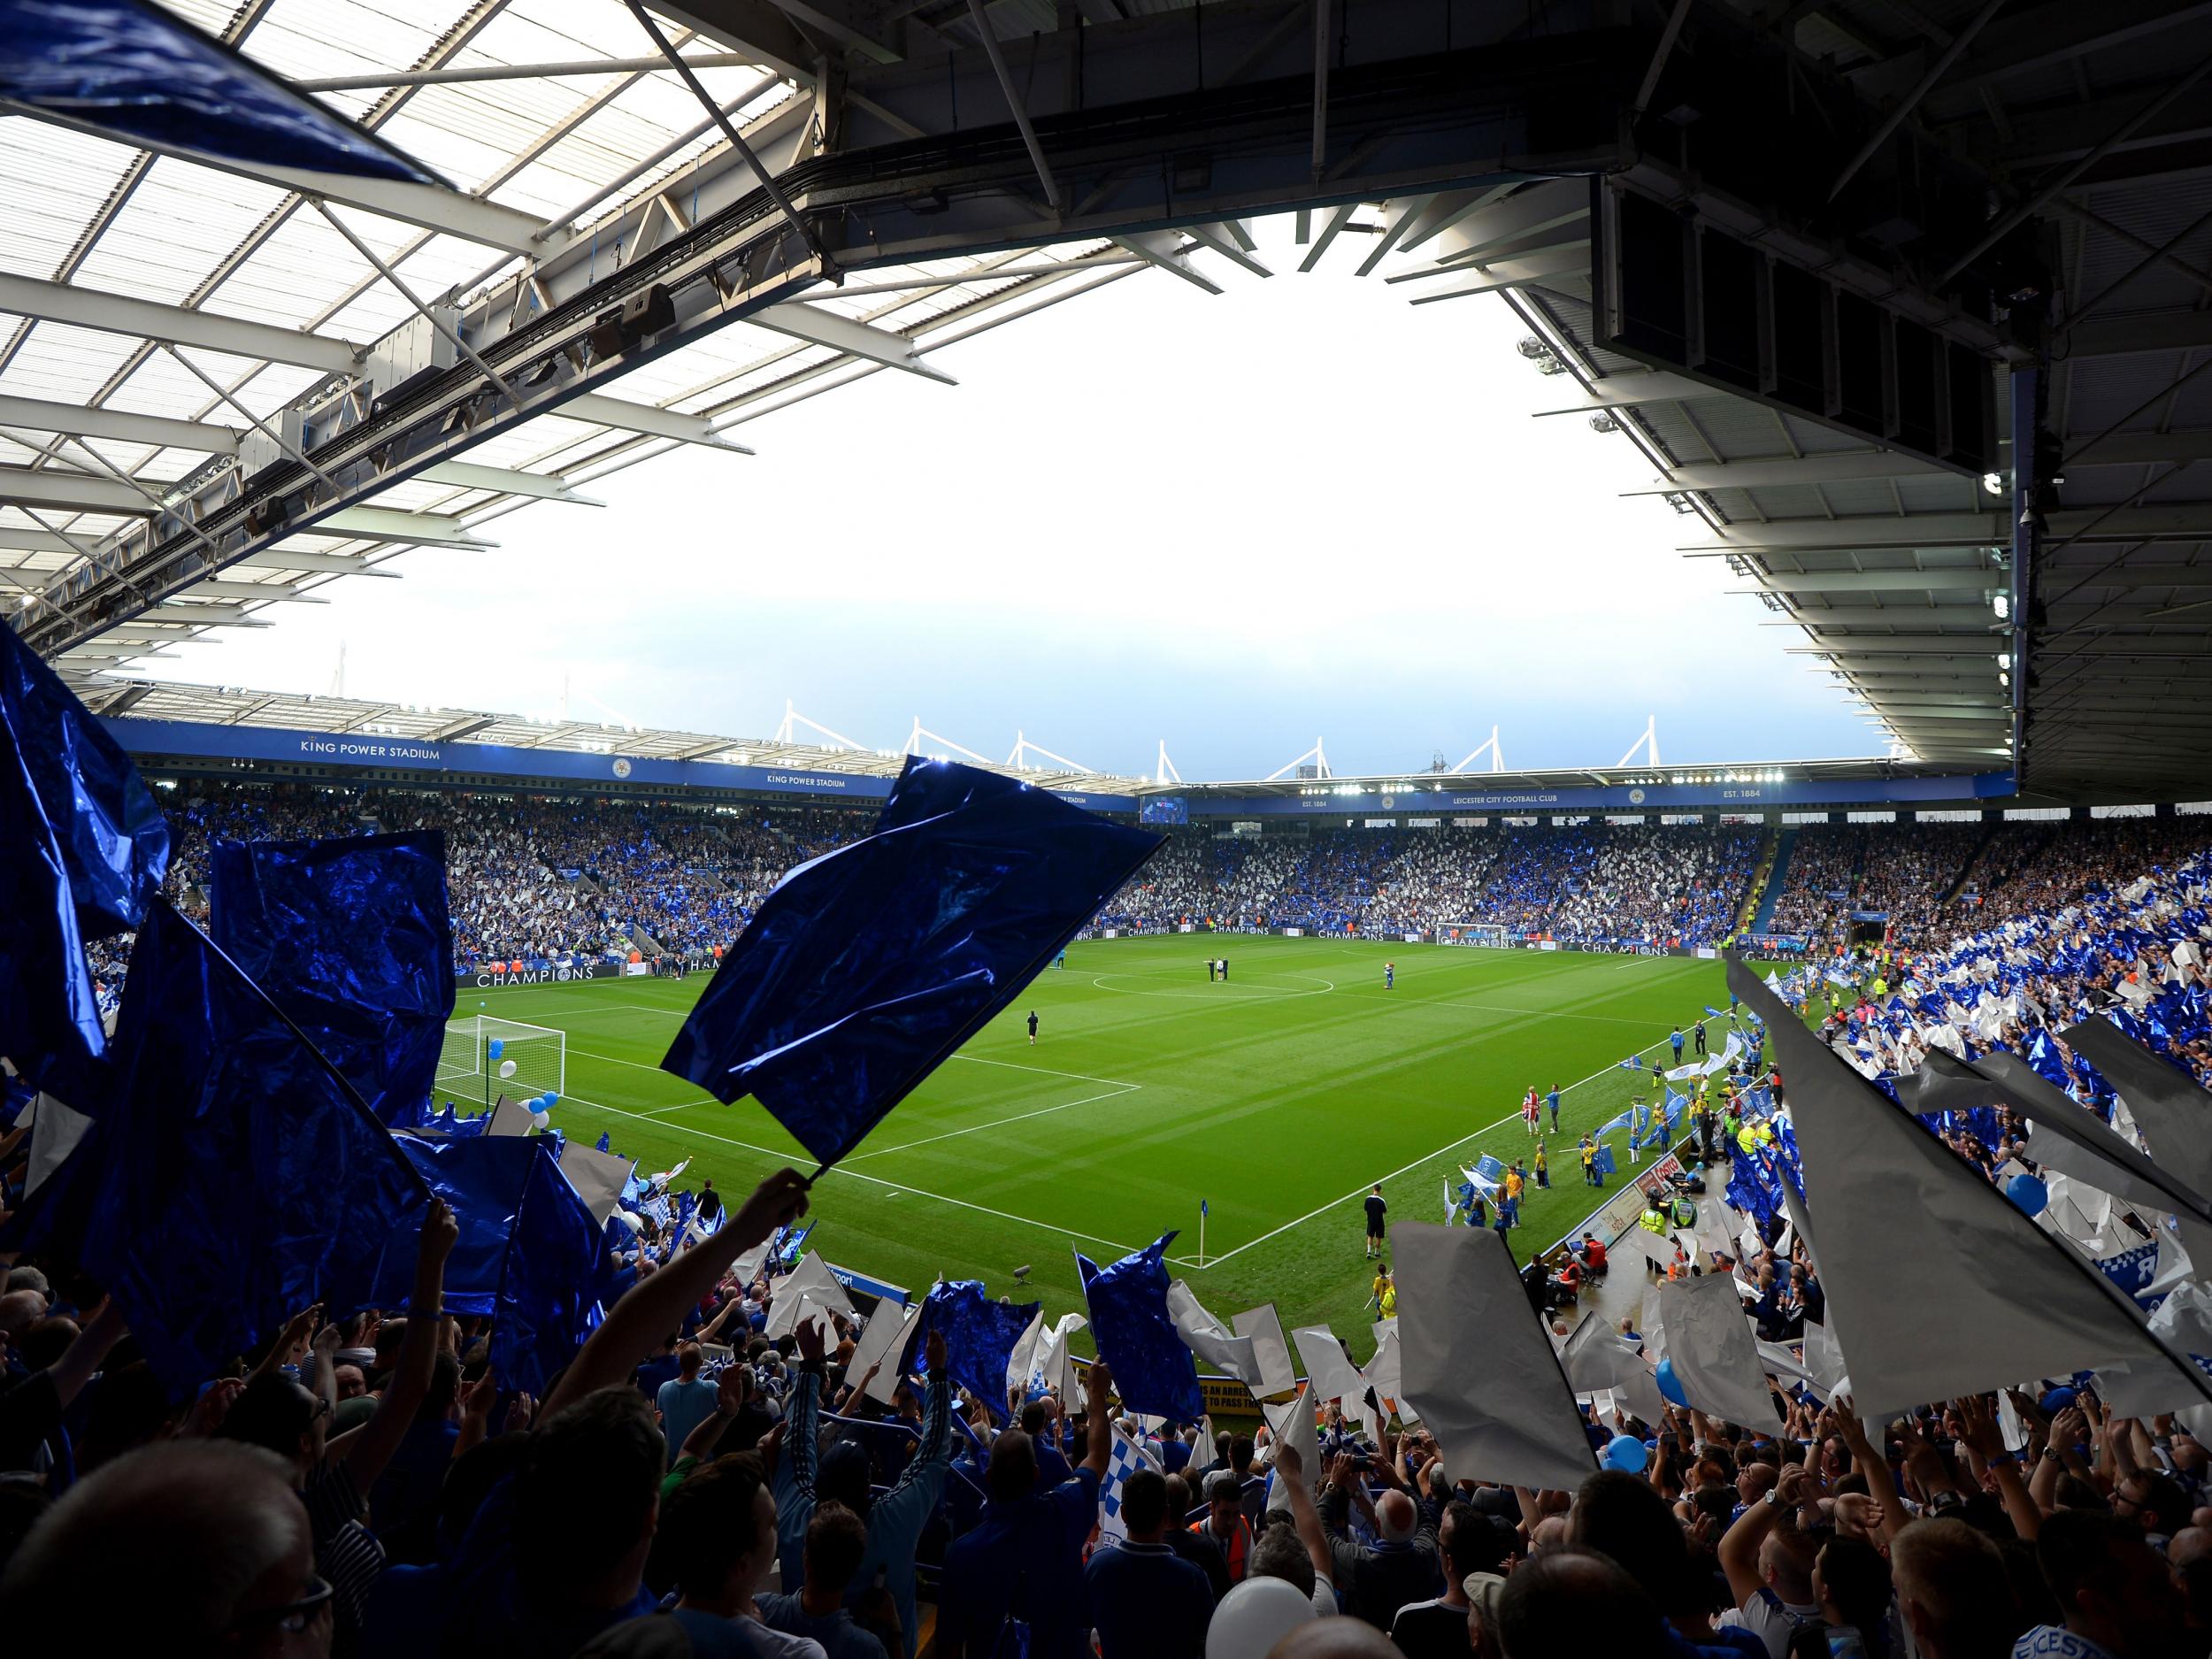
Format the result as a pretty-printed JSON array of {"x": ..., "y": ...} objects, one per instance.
[
  {"x": 528, "y": 1253},
  {"x": 352, "y": 940},
  {"x": 1136, "y": 1334},
  {"x": 230, "y": 1178},
  {"x": 979, "y": 1336},
  {"x": 871, "y": 964},
  {"x": 83, "y": 850},
  {"x": 1129, "y": 1457},
  {"x": 138, "y": 75}
]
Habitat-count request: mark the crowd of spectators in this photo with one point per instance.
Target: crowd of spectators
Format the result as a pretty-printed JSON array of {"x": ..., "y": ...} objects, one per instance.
[
  {"x": 1579, "y": 883},
  {"x": 691, "y": 1484},
  {"x": 535, "y": 879},
  {"x": 1906, "y": 874},
  {"x": 550, "y": 879}
]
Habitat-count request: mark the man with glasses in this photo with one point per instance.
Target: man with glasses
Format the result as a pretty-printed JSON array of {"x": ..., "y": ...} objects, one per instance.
[{"x": 220, "y": 1554}]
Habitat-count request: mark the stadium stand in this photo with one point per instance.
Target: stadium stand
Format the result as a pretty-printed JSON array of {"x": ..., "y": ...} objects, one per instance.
[{"x": 883, "y": 1540}]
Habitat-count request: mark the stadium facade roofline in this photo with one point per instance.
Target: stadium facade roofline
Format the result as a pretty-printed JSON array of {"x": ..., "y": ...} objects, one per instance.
[{"x": 310, "y": 737}]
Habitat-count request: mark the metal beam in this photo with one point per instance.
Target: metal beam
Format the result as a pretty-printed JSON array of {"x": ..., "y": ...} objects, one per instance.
[
  {"x": 1163, "y": 249},
  {"x": 431, "y": 206},
  {"x": 385, "y": 523},
  {"x": 797, "y": 320},
  {"x": 1908, "y": 644},
  {"x": 216, "y": 588},
  {"x": 21, "y": 487},
  {"x": 2186, "y": 521},
  {"x": 1781, "y": 471},
  {"x": 2138, "y": 448},
  {"x": 645, "y": 420},
  {"x": 119, "y": 314},
  {"x": 1512, "y": 273},
  {"x": 2120, "y": 336},
  {"x": 1907, "y": 104},
  {"x": 314, "y": 563},
  {"x": 1876, "y": 582},
  {"x": 1643, "y": 386},
  {"x": 1969, "y": 616},
  {"x": 36, "y": 414},
  {"x": 507, "y": 480},
  {"x": 23, "y": 539},
  {"x": 571, "y": 69}
]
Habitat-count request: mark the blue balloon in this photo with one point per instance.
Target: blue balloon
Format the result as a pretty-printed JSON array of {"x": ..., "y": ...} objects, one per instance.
[
  {"x": 2029, "y": 1192},
  {"x": 1670, "y": 1385},
  {"x": 1626, "y": 1454},
  {"x": 548, "y": 1100},
  {"x": 495, "y": 1047}
]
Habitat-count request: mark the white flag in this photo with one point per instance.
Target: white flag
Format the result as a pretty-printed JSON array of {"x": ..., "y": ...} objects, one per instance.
[
  {"x": 1478, "y": 1366},
  {"x": 1208, "y": 1338},
  {"x": 1270, "y": 1351},
  {"x": 1055, "y": 1362},
  {"x": 2173, "y": 1114},
  {"x": 811, "y": 1279},
  {"x": 1887, "y": 1198},
  {"x": 1292, "y": 1423},
  {"x": 883, "y": 1345},
  {"x": 599, "y": 1177},
  {"x": 54, "y": 1131},
  {"x": 1334, "y": 1375},
  {"x": 1715, "y": 1355},
  {"x": 1021, "y": 1361}
]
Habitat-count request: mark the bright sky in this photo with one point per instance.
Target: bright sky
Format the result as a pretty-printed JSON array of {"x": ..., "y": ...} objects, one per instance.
[{"x": 1305, "y": 508}]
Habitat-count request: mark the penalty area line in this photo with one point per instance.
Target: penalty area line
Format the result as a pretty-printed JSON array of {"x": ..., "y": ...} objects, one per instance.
[
  {"x": 997, "y": 1123},
  {"x": 873, "y": 1180}
]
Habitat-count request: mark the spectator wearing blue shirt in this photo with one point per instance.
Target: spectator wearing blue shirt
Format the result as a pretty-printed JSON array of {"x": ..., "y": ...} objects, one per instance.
[
  {"x": 1144, "y": 1601},
  {"x": 686, "y": 1401},
  {"x": 835, "y": 1540},
  {"x": 893, "y": 1521},
  {"x": 659, "y": 1369},
  {"x": 1025, "y": 1561}
]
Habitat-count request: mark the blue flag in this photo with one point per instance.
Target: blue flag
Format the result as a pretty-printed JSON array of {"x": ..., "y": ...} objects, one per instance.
[
  {"x": 350, "y": 937},
  {"x": 1489, "y": 1168},
  {"x": 135, "y": 73},
  {"x": 528, "y": 1253},
  {"x": 979, "y": 1336},
  {"x": 1713, "y": 1012},
  {"x": 82, "y": 852},
  {"x": 870, "y": 965},
  {"x": 1153, "y": 1370},
  {"x": 230, "y": 1178}
]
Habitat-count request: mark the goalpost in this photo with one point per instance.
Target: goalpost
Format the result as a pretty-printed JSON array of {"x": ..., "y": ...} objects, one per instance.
[
  {"x": 1491, "y": 933},
  {"x": 484, "y": 1058}
]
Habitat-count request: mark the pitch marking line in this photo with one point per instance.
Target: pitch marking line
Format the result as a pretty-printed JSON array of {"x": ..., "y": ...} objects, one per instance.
[
  {"x": 1041, "y": 1071},
  {"x": 873, "y": 1180},
  {"x": 974, "y": 1129},
  {"x": 1215, "y": 1260}
]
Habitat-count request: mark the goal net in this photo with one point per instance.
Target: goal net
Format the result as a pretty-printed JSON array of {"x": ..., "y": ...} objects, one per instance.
[
  {"x": 1491, "y": 933},
  {"x": 483, "y": 1057}
]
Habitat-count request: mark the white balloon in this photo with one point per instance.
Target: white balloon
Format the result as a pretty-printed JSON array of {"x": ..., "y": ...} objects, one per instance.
[
  {"x": 506, "y": 1068},
  {"x": 1254, "y": 1617},
  {"x": 538, "y": 1120}
]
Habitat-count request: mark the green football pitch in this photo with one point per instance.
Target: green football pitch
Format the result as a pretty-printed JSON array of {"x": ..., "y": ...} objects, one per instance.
[{"x": 1278, "y": 1097}]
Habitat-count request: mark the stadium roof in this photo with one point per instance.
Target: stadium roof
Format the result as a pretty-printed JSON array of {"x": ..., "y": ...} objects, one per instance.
[
  {"x": 225, "y": 705},
  {"x": 223, "y": 386}
]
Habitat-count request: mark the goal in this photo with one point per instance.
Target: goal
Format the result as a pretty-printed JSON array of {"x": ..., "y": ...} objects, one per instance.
[
  {"x": 484, "y": 1058},
  {"x": 1491, "y": 933}
]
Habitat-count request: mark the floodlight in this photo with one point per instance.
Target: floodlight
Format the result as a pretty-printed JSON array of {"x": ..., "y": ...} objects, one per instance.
[{"x": 1994, "y": 482}]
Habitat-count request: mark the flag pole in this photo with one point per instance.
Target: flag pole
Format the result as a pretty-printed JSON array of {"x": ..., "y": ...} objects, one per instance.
[{"x": 1201, "y": 1233}]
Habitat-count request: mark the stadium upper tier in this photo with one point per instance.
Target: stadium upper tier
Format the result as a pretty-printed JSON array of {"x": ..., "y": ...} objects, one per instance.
[{"x": 588, "y": 878}]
